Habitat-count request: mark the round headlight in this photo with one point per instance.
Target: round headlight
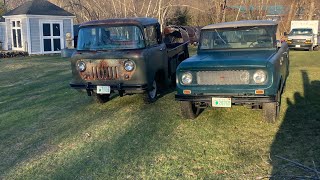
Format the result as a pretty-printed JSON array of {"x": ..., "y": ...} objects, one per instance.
[
  {"x": 129, "y": 66},
  {"x": 186, "y": 78},
  {"x": 81, "y": 66},
  {"x": 259, "y": 77}
]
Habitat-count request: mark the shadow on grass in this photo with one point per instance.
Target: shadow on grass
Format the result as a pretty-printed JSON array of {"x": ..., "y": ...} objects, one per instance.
[
  {"x": 298, "y": 138},
  {"x": 38, "y": 117}
]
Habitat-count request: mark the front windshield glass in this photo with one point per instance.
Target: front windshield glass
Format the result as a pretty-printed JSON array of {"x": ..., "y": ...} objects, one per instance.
[
  {"x": 238, "y": 38},
  {"x": 296, "y": 32},
  {"x": 110, "y": 38}
]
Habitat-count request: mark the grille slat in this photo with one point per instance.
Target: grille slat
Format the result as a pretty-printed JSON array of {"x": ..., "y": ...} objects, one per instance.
[{"x": 237, "y": 77}]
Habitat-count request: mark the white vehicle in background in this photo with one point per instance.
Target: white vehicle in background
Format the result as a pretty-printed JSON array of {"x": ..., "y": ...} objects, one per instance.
[{"x": 303, "y": 35}]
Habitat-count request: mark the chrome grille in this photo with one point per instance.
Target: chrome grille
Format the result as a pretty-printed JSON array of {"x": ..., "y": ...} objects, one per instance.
[
  {"x": 237, "y": 77},
  {"x": 298, "y": 40},
  {"x": 104, "y": 72}
]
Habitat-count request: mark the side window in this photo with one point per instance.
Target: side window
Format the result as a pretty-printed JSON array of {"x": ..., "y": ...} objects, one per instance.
[{"x": 151, "y": 35}]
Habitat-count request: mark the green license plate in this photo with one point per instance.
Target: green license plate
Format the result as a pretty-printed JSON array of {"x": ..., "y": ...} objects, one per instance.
[
  {"x": 103, "y": 89},
  {"x": 221, "y": 102}
]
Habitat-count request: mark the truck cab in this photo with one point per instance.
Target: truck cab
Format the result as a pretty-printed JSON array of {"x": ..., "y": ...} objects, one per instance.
[{"x": 126, "y": 56}]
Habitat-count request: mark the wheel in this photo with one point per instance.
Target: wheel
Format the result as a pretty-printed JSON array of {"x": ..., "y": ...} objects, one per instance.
[
  {"x": 102, "y": 98},
  {"x": 271, "y": 110},
  {"x": 189, "y": 110},
  {"x": 151, "y": 95}
]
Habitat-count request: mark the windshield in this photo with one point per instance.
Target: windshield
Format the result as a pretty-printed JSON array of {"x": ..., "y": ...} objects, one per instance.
[
  {"x": 238, "y": 38},
  {"x": 295, "y": 32},
  {"x": 110, "y": 38}
]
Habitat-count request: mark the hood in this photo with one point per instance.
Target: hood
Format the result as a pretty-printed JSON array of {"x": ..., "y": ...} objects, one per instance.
[
  {"x": 300, "y": 37},
  {"x": 219, "y": 59}
]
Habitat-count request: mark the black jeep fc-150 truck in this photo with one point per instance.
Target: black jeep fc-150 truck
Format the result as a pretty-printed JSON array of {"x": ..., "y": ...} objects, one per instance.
[{"x": 127, "y": 56}]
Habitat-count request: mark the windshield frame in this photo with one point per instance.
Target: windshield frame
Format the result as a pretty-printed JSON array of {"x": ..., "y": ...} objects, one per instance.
[
  {"x": 143, "y": 40},
  {"x": 272, "y": 35}
]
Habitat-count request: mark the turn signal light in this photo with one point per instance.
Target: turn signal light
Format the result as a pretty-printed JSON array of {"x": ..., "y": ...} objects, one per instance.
[
  {"x": 187, "y": 92},
  {"x": 308, "y": 42},
  {"x": 260, "y": 92}
]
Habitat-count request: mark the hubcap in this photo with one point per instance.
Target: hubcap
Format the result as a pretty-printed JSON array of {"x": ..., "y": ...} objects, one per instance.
[{"x": 153, "y": 93}]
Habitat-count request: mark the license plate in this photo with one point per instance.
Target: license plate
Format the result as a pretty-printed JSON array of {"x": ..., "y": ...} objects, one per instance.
[
  {"x": 298, "y": 46},
  {"x": 103, "y": 89},
  {"x": 221, "y": 102}
]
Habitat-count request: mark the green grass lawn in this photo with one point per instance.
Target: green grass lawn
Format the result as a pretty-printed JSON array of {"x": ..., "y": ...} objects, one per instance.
[{"x": 49, "y": 131}]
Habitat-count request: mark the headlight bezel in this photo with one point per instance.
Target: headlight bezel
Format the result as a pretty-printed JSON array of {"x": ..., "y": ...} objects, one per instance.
[
  {"x": 81, "y": 66},
  {"x": 129, "y": 63},
  {"x": 185, "y": 76},
  {"x": 263, "y": 77}
]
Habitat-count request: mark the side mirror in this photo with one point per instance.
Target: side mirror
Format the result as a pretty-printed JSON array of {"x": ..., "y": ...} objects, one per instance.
[{"x": 285, "y": 33}]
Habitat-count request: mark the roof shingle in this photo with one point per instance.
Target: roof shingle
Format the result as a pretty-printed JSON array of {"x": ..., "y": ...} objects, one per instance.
[{"x": 39, "y": 7}]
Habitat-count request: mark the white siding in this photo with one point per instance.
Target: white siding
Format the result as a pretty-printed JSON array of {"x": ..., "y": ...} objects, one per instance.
[
  {"x": 3, "y": 34},
  {"x": 67, "y": 28},
  {"x": 9, "y": 35},
  {"x": 24, "y": 31},
  {"x": 35, "y": 35}
]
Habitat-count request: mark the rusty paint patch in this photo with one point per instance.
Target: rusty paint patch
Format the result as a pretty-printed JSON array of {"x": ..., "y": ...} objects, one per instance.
[{"x": 107, "y": 69}]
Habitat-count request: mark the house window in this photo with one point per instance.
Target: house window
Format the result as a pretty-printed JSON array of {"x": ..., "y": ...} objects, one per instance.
[
  {"x": 16, "y": 34},
  {"x": 51, "y": 35}
]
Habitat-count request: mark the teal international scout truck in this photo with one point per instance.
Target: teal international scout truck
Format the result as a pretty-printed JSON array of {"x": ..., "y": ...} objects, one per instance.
[
  {"x": 237, "y": 63},
  {"x": 126, "y": 56}
]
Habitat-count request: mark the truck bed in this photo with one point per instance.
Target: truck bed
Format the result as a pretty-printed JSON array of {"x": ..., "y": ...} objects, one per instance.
[{"x": 174, "y": 49}]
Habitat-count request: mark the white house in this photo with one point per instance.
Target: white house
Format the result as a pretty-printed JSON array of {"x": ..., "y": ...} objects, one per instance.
[{"x": 38, "y": 27}]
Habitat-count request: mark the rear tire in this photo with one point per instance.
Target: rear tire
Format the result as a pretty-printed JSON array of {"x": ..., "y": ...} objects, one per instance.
[
  {"x": 271, "y": 110},
  {"x": 189, "y": 110},
  {"x": 102, "y": 98}
]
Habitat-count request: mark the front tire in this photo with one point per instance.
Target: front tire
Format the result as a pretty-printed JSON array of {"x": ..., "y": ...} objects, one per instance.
[
  {"x": 151, "y": 95},
  {"x": 189, "y": 110},
  {"x": 271, "y": 110}
]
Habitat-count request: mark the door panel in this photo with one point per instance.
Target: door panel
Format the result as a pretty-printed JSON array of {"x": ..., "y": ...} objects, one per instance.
[
  {"x": 46, "y": 30},
  {"x": 56, "y": 29},
  {"x": 47, "y": 45},
  {"x": 56, "y": 44}
]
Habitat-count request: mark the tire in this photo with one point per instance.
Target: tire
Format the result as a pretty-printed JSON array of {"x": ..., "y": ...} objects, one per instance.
[
  {"x": 151, "y": 95},
  {"x": 102, "y": 98},
  {"x": 189, "y": 110},
  {"x": 271, "y": 110}
]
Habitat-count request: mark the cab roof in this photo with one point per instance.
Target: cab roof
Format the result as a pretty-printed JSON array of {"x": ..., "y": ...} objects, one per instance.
[
  {"x": 117, "y": 21},
  {"x": 241, "y": 24}
]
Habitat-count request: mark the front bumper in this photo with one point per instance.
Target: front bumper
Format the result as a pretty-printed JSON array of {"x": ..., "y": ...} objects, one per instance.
[
  {"x": 300, "y": 46},
  {"x": 134, "y": 89},
  {"x": 235, "y": 100}
]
